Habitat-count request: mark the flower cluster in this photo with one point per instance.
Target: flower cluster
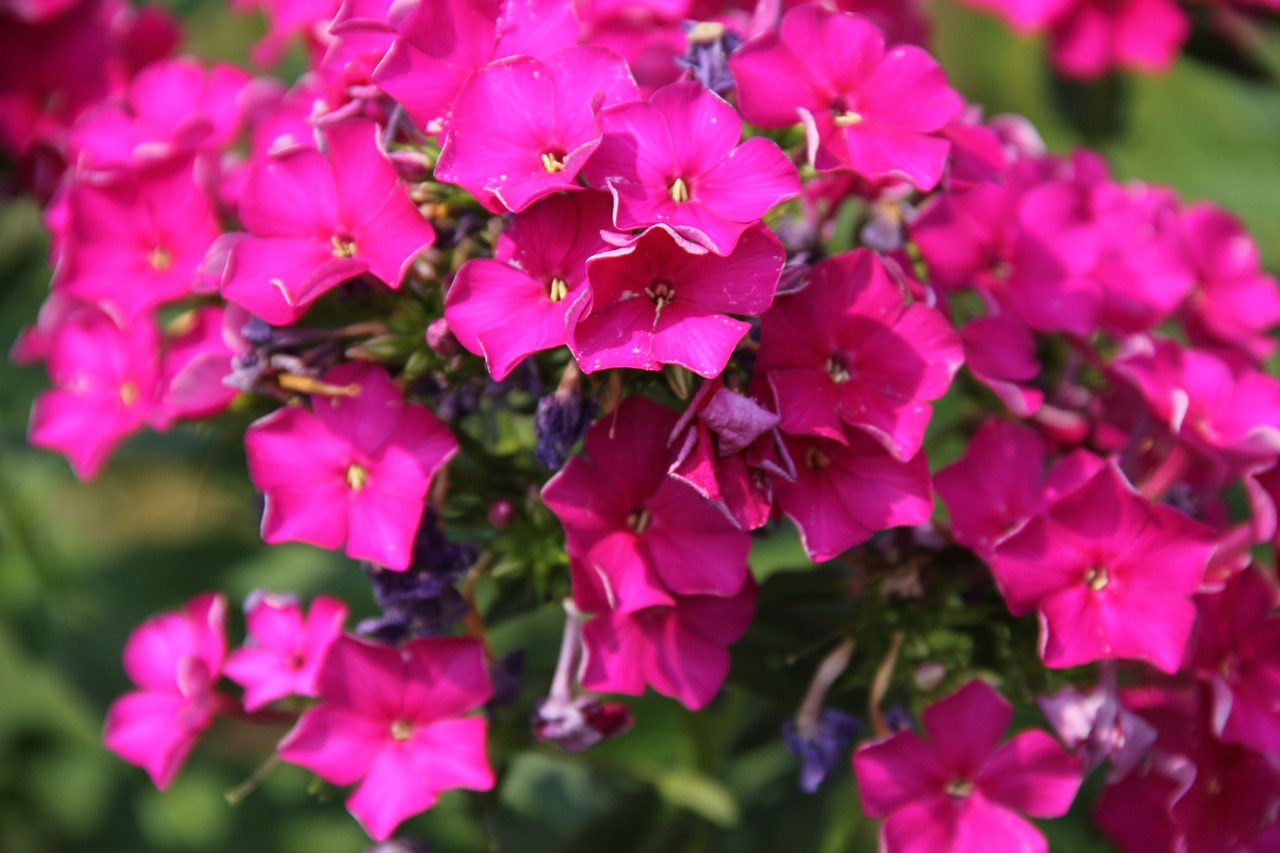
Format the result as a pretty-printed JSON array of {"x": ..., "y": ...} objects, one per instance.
[{"x": 759, "y": 254}]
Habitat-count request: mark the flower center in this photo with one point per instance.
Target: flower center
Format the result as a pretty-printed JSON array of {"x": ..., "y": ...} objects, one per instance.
[
  {"x": 838, "y": 368},
  {"x": 159, "y": 258},
  {"x": 343, "y": 246},
  {"x": 1097, "y": 578},
  {"x": 357, "y": 476},
  {"x": 129, "y": 393},
  {"x": 638, "y": 520},
  {"x": 815, "y": 459},
  {"x": 553, "y": 161},
  {"x": 848, "y": 118},
  {"x": 558, "y": 289},
  {"x": 679, "y": 191},
  {"x": 662, "y": 292},
  {"x": 959, "y": 788},
  {"x": 401, "y": 729}
]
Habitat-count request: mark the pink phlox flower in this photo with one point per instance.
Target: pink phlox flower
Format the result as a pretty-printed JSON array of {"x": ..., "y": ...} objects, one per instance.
[
  {"x": 729, "y": 449},
  {"x": 676, "y": 159},
  {"x": 866, "y": 108},
  {"x": 137, "y": 242},
  {"x": 105, "y": 377},
  {"x": 522, "y": 128},
  {"x": 680, "y": 649},
  {"x": 1221, "y": 404},
  {"x": 645, "y": 536},
  {"x": 1234, "y": 303},
  {"x": 1004, "y": 480},
  {"x": 1111, "y": 575},
  {"x": 848, "y": 354},
  {"x": 34, "y": 342},
  {"x": 960, "y": 789},
  {"x": 286, "y": 19},
  {"x": 660, "y": 299},
  {"x": 1237, "y": 651},
  {"x": 353, "y": 469},
  {"x": 316, "y": 220},
  {"x": 196, "y": 361},
  {"x": 392, "y": 720},
  {"x": 844, "y": 493},
  {"x": 35, "y": 11},
  {"x": 285, "y": 649},
  {"x": 978, "y": 154},
  {"x": 174, "y": 659},
  {"x": 649, "y": 36},
  {"x": 1099, "y": 728},
  {"x": 516, "y": 303},
  {"x": 441, "y": 42},
  {"x": 172, "y": 108},
  {"x": 1000, "y": 352},
  {"x": 1096, "y": 36}
]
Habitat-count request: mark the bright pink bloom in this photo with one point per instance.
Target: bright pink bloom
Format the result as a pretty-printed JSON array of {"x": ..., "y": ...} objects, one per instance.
[
  {"x": 515, "y": 304},
  {"x": 1234, "y": 303},
  {"x": 316, "y": 220},
  {"x": 391, "y": 719},
  {"x": 647, "y": 537},
  {"x": 523, "y": 128},
  {"x": 961, "y": 790},
  {"x": 1238, "y": 652},
  {"x": 659, "y": 299},
  {"x": 675, "y": 160},
  {"x": 137, "y": 242},
  {"x": 843, "y": 493},
  {"x": 1096, "y": 36},
  {"x": 848, "y": 351},
  {"x": 1111, "y": 575},
  {"x": 195, "y": 363},
  {"x": 442, "y": 42},
  {"x": 679, "y": 649},
  {"x": 1000, "y": 352},
  {"x": 729, "y": 448},
  {"x": 174, "y": 659},
  {"x": 105, "y": 376},
  {"x": 354, "y": 469},
  {"x": 285, "y": 650},
  {"x": 866, "y": 108},
  {"x": 308, "y": 19}
]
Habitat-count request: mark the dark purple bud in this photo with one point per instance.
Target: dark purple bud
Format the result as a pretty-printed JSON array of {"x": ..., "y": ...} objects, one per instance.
[
  {"x": 501, "y": 513},
  {"x": 559, "y": 423},
  {"x": 579, "y": 723},
  {"x": 507, "y": 674},
  {"x": 823, "y": 748},
  {"x": 440, "y": 338},
  {"x": 898, "y": 719},
  {"x": 708, "y": 55},
  {"x": 885, "y": 230},
  {"x": 421, "y": 601}
]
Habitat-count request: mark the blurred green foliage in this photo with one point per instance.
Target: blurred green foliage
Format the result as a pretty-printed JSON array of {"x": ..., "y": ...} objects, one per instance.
[{"x": 82, "y": 564}]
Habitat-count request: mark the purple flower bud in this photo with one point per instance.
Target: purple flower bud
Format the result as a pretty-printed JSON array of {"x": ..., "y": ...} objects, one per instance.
[
  {"x": 440, "y": 338},
  {"x": 421, "y": 601},
  {"x": 559, "y": 423},
  {"x": 501, "y": 512},
  {"x": 708, "y": 55},
  {"x": 898, "y": 719},
  {"x": 822, "y": 749},
  {"x": 579, "y": 723}
]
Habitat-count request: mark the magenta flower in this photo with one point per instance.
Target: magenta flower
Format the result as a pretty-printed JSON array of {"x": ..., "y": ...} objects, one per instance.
[
  {"x": 849, "y": 351},
  {"x": 843, "y": 493},
  {"x": 355, "y": 469},
  {"x": 1000, "y": 352},
  {"x": 391, "y": 719},
  {"x": 137, "y": 242},
  {"x": 523, "y": 128},
  {"x": 679, "y": 649},
  {"x": 646, "y": 536},
  {"x": 195, "y": 363},
  {"x": 316, "y": 220},
  {"x": 105, "y": 376},
  {"x": 1095, "y": 36},
  {"x": 675, "y": 160},
  {"x": 442, "y": 43},
  {"x": 1111, "y": 575},
  {"x": 174, "y": 659},
  {"x": 868, "y": 109},
  {"x": 660, "y": 299},
  {"x": 961, "y": 789},
  {"x": 515, "y": 304},
  {"x": 285, "y": 650}
]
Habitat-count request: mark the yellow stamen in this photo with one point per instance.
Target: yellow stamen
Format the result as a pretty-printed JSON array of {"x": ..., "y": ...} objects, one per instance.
[
  {"x": 706, "y": 32},
  {"x": 552, "y": 163},
  {"x": 159, "y": 258},
  {"x": 836, "y": 370},
  {"x": 129, "y": 393},
  {"x": 639, "y": 520},
  {"x": 357, "y": 476},
  {"x": 959, "y": 787},
  {"x": 1097, "y": 578},
  {"x": 679, "y": 191},
  {"x": 343, "y": 247},
  {"x": 848, "y": 118},
  {"x": 559, "y": 289},
  {"x": 401, "y": 730},
  {"x": 815, "y": 459}
]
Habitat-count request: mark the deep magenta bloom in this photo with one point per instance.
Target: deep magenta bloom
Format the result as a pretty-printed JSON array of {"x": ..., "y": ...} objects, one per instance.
[
  {"x": 285, "y": 649},
  {"x": 660, "y": 299},
  {"x": 523, "y": 128},
  {"x": 848, "y": 351},
  {"x": 316, "y": 220},
  {"x": 680, "y": 649},
  {"x": 391, "y": 719},
  {"x": 675, "y": 159},
  {"x": 442, "y": 42},
  {"x": 868, "y": 109},
  {"x": 354, "y": 469},
  {"x": 516, "y": 303},
  {"x": 195, "y": 363},
  {"x": 1111, "y": 575},
  {"x": 960, "y": 789},
  {"x": 174, "y": 659},
  {"x": 647, "y": 537}
]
